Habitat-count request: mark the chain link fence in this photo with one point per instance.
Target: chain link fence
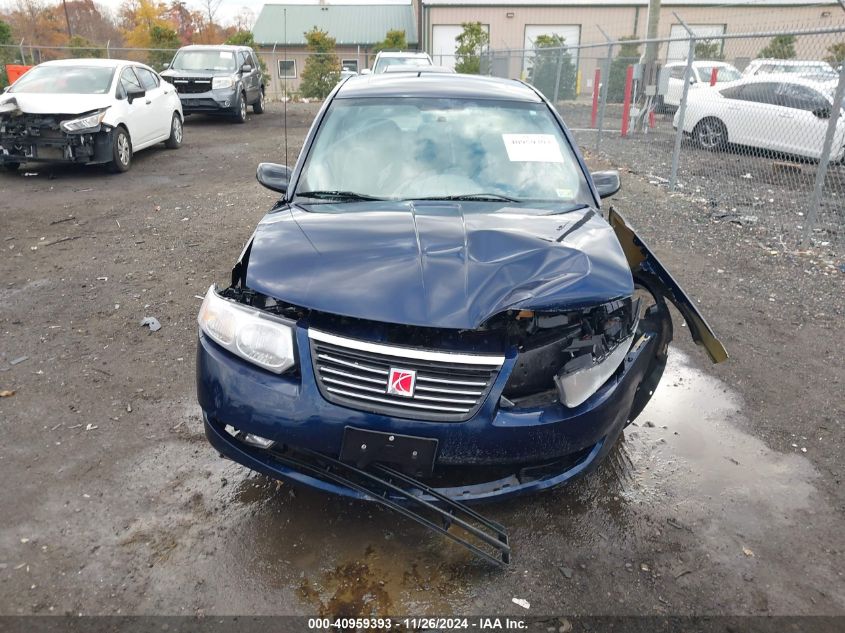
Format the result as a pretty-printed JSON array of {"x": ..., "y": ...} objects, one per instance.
[{"x": 752, "y": 125}]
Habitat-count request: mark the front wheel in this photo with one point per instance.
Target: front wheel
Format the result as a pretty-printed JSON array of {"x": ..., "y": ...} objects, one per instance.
[
  {"x": 258, "y": 106},
  {"x": 711, "y": 134},
  {"x": 240, "y": 109},
  {"x": 175, "y": 140},
  {"x": 121, "y": 151}
]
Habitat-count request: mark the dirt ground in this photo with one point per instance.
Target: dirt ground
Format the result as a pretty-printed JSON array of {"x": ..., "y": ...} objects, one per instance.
[{"x": 725, "y": 497}]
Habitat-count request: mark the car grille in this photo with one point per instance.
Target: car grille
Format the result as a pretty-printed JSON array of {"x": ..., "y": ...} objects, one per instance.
[
  {"x": 449, "y": 387},
  {"x": 191, "y": 86}
]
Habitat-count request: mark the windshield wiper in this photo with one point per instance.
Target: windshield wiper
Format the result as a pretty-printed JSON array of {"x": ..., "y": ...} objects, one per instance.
[
  {"x": 343, "y": 196},
  {"x": 482, "y": 197}
]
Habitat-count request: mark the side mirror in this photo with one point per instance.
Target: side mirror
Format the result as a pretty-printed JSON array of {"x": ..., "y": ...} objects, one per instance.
[
  {"x": 165, "y": 65},
  {"x": 366, "y": 71},
  {"x": 246, "y": 68},
  {"x": 274, "y": 177},
  {"x": 607, "y": 182},
  {"x": 135, "y": 94}
]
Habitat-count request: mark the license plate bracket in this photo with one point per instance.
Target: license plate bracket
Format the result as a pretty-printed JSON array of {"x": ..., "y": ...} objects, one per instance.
[{"x": 413, "y": 455}]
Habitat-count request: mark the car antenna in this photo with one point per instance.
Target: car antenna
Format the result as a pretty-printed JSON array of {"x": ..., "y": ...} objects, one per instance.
[{"x": 285, "y": 33}]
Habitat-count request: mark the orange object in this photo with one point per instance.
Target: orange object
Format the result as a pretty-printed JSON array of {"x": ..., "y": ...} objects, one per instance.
[
  {"x": 626, "y": 104},
  {"x": 714, "y": 76},
  {"x": 14, "y": 71}
]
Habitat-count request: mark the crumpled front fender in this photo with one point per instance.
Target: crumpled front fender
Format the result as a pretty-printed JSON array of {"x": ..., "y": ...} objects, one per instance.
[{"x": 642, "y": 260}]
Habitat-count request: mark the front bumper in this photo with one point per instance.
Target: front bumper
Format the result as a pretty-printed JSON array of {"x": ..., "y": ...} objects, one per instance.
[
  {"x": 85, "y": 148},
  {"x": 531, "y": 449},
  {"x": 210, "y": 102}
]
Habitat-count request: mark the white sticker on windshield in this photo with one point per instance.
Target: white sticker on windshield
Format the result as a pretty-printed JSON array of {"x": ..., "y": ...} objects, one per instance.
[
  {"x": 225, "y": 54},
  {"x": 535, "y": 148}
]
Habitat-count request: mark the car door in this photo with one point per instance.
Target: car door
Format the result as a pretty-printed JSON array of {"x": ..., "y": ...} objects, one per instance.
[
  {"x": 808, "y": 118},
  {"x": 255, "y": 75},
  {"x": 675, "y": 86},
  {"x": 139, "y": 120},
  {"x": 754, "y": 119},
  {"x": 157, "y": 103}
]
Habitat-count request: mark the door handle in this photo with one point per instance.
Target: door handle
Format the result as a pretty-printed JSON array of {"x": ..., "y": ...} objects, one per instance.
[{"x": 785, "y": 116}]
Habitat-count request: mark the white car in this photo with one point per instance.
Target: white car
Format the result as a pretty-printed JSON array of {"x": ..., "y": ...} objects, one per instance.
[
  {"x": 780, "y": 113},
  {"x": 816, "y": 70},
  {"x": 87, "y": 111},
  {"x": 701, "y": 75},
  {"x": 386, "y": 59}
]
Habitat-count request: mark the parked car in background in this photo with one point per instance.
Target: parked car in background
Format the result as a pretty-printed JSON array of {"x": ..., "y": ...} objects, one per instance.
[
  {"x": 385, "y": 59},
  {"x": 464, "y": 315},
  {"x": 87, "y": 111},
  {"x": 701, "y": 75},
  {"x": 816, "y": 70},
  {"x": 217, "y": 80},
  {"x": 780, "y": 113}
]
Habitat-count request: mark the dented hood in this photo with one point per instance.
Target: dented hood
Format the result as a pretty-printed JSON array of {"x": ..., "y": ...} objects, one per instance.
[
  {"x": 52, "y": 103},
  {"x": 436, "y": 265}
]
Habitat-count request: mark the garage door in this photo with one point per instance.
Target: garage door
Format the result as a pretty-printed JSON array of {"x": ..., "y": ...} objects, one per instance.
[
  {"x": 678, "y": 51},
  {"x": 571, "y": 34},
  {"x": 443, "y": 43}
]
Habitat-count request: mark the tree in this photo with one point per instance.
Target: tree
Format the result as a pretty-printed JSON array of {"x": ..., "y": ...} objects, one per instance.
[
  {"x": 552, "y": 71},
  {"x": 138, "y": 18},
  {"x": 628, "y": 54},
  {"x": 836, "y": 54},
  {"x": 6, "y": 54},
  {"x": 709, "y": 50},
  {"x": 246, "y": 38},
  {"x": 322, "y": 68},
  {"x": 471, "y": 42},
  {"x": 780, "y": 47},
  {"x": 83, "y": 47},
  {"x": 393, "y": 39},
  {"x": 163, "y": 37}
]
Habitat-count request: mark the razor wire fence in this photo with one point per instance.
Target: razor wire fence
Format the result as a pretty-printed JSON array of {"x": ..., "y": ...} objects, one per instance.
[{"x": 751, "y": 125}]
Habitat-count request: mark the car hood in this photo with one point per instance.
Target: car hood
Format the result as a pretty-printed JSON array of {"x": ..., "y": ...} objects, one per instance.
[
  {"x": 32, "y": 103},
  {"x": 435, "y": 265}
]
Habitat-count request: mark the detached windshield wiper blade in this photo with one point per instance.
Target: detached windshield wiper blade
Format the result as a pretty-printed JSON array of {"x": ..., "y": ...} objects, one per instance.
[
  {"x": 348, "y": 196},
  {"x": 482, "y": 197}
]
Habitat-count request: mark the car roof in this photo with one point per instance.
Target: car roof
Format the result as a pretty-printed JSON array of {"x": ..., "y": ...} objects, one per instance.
[
  {"x": 213, "y": 47},
  {"x": 89, "y": 61},
  {"x": 780, "y": 78},
  {"x": 402, "y": 54},
  {"x": 703, "y": 62},
  {"x": 789, "y": 62},
  {"x": 436, "y": 85}
]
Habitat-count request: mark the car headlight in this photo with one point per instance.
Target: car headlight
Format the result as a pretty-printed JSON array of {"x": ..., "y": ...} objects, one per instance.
[
  {"x": 219, "y": 83},
  {"x": 84, "y": 123},
  {"x": 254, "y": 335},
  {"x": 576, "y": 386}
]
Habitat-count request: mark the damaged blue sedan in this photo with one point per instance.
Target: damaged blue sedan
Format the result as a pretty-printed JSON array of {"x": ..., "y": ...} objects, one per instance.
[{"x": 437, "y": 308}]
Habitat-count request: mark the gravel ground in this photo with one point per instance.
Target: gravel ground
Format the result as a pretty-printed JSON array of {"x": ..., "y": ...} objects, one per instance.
[{"x": 726, "y": 496}]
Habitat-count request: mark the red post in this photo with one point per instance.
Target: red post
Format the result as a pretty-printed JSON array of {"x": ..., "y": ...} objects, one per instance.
[
  {"x": 714, "y": 76},
  {"x": 626, "y": 104},
  {"x": 596, "y": 83}
]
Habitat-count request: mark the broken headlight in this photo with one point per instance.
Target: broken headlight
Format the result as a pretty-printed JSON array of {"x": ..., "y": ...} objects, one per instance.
[
  {"x": 254, "y": 335},
  {"x": 84, "y": 123},
  {"x": 567, "y": 356}
]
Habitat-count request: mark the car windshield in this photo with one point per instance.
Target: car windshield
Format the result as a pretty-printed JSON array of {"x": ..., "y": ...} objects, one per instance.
[
  {"x": 430, "y": 148},
  {"x": 384, "y": 62},
  {"x": 205, "y": 60},
  {"x": 83, "y": 80},
  {"x": 725, "y": 73}
]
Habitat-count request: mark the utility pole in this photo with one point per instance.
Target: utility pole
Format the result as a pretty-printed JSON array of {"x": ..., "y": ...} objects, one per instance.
[
  {"x": 652, "y": 27},
  {"x": 67, "y": 19}
]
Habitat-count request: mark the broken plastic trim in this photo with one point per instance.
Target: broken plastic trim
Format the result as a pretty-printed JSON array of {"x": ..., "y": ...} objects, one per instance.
[{"x": 389, "y": 483}]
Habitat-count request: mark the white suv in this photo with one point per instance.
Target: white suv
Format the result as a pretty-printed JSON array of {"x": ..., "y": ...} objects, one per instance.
[
  {"x": 701, "y": 73},
  {"x": 400, "y": 58}
]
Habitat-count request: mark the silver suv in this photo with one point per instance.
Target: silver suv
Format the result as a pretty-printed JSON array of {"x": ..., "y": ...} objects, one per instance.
[
  {"x": 387, "y": 59},
  {"x": 217, "y": 80}
]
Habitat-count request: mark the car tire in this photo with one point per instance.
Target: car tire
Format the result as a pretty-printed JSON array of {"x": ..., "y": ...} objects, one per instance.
[
  {"x": 11, "y": 166},
  {"x": 240, "y": 108},
  {"x": 711, "y": 134},
  {"x": 121, "y": 150},
  {"x": 258, "y": 106},
  {"x": 176, "y": 133}
]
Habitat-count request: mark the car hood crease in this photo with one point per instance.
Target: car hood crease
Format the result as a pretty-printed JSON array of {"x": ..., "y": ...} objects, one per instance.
[{"x": 436, "y": 264}]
